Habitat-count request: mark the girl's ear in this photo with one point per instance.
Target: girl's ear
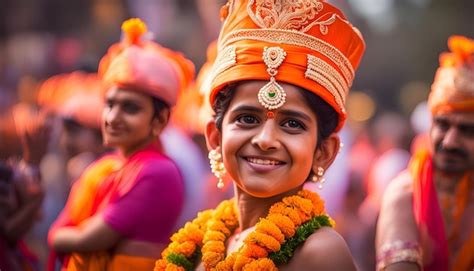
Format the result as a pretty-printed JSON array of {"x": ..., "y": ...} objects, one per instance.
[
  {"x": 213, "y": 135},
  {"x": 326, "y": 153},
  {"x": 159, "y": 122}
]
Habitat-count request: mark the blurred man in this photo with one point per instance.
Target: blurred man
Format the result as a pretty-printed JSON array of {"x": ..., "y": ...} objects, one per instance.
[{"x": 427, "y": 216}]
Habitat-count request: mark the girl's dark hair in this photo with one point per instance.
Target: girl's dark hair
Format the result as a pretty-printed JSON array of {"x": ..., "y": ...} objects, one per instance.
[
  {"x": 158, "y": 105},
  {"x": 327, "y": 116}
]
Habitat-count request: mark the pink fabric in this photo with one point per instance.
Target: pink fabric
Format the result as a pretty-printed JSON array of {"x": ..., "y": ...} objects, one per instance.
[
  {"x": 149, "y": 211},
  {"x": 142, "y": 200},
  {"x": 428, "y": 218}
]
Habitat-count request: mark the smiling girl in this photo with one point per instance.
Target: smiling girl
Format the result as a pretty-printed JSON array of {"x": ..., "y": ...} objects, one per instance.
[
  {"x": 115, "y": 217},
  {"x": 278, "y": 88}
]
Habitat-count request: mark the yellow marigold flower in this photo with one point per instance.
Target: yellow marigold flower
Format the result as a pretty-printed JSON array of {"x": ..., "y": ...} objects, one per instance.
[
  {"x": 268, "y": 227},
  {"x": 284, "y": 223},
  {"x": 263, "y": 240},
  {"x": 332, "y": 222}
]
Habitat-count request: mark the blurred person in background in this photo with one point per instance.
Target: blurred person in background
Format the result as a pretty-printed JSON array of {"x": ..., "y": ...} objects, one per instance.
[
  {"x": 76, "y": 100},
  {"x": 390, "y": 134},
  {"x": 123, "y": 208},
  {"x": 21, "y": 192},
  {"x": 427, "y": 216}
]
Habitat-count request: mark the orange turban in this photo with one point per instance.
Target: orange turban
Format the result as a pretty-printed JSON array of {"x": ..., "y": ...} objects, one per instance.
[
  {"x": 453, "y": 86},
  {"x": 75, "y": 95},
  {"x": 145, "y": 66},
  {"x": 311, "y": 43}
]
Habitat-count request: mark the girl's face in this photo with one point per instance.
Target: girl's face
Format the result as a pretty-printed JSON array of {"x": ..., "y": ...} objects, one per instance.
[
  {"x": 269, "y": 156},
  {"x": 128, "y": 121}
]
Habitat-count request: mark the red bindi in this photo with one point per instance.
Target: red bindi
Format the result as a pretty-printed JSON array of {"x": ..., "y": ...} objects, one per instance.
[{"x": 270, "y": 114}]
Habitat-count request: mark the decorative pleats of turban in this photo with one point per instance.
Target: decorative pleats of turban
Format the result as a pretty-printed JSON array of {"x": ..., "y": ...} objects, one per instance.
[
  {"x": 453, "y": 86},
  {"x": 145, "y": 66},
  {"x": 322, "y": 50}
]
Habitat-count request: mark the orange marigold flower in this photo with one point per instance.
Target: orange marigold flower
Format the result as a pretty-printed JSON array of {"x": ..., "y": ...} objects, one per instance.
[
  {"x": 305, "y": 205},
  {"x": 186, "y": 248},
  {"x": 268, "y": 227},
  {"x": 284, "y": 223},
  {"x": 253, "y": 250},
  {"x": 173, "y": 267},
  {"x": 214, "y": 246},
  {"x": 214, "y": 235},
  {"x": 241, "y": 261},
  {"x": 263, "y": 240},
  {"x": 277, "y": 208},
  {"x": 210, "y": 259},
  {"x": 264, "y": 264},
  {"x": 318, "y": 203},
  {"x": 219, "y": 226},
  {"x": 227, "y": 264},
  {"x": 160, "y": 265},
  {"x": 293, "y": 215}
]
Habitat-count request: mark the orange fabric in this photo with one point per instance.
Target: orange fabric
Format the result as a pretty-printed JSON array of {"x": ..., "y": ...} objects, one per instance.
[
  {"x": 76, "y": 95},
  {"x": 103, "y": 261},
  {"x": 145, "y": 66},
  {"x": 453, "y": 86},
  {"x": 131, "y": 263},
  {"x": 84, "y": 192},
  {"x": 324, "y": 24},
  {"x": 82, "y": 204}
]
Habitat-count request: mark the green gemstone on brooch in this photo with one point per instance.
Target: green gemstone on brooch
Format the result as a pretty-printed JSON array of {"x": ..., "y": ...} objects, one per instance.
[{"x": 272, "y": 95}]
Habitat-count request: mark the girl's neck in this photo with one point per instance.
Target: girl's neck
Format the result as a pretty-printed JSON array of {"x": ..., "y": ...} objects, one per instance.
[
  {"x": 128, "y": 152},
  {"x": 251, "y": 209}
]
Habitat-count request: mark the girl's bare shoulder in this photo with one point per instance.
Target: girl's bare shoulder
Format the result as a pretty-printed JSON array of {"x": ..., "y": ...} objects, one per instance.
[{"x": 325, "y": 249}]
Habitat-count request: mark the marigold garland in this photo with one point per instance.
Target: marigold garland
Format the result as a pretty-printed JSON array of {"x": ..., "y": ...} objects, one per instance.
[{"x": 288, "y": 224}]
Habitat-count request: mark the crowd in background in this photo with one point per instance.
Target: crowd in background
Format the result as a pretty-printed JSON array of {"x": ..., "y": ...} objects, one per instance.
[{"x": 386, "y": 109}]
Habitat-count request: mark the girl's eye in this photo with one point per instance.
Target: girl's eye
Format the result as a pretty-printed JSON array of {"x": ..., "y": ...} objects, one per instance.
[
  {"x": 247, "y": 119},
  {"x": 293, "y": 124},
  {"x": 109, "y": 104},
  {"x": 131, "y": 108}
]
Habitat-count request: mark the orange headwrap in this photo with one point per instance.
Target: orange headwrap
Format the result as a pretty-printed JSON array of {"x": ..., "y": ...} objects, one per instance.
[
  {"x": 76, "y": 95},
  {"x": 145, "y": 66},
  {"x": 320, "y": 48},
  {"x": 453, "y": 86}
]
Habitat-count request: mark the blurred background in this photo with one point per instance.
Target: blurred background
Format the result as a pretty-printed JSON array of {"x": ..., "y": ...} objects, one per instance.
[{"x": 41, "y": 38}]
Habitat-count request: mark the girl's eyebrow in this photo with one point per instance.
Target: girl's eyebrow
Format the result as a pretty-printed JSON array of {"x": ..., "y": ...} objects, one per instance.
[
  {"x": 296, "y": 114},
  {"x": 247, "y": 108}
]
